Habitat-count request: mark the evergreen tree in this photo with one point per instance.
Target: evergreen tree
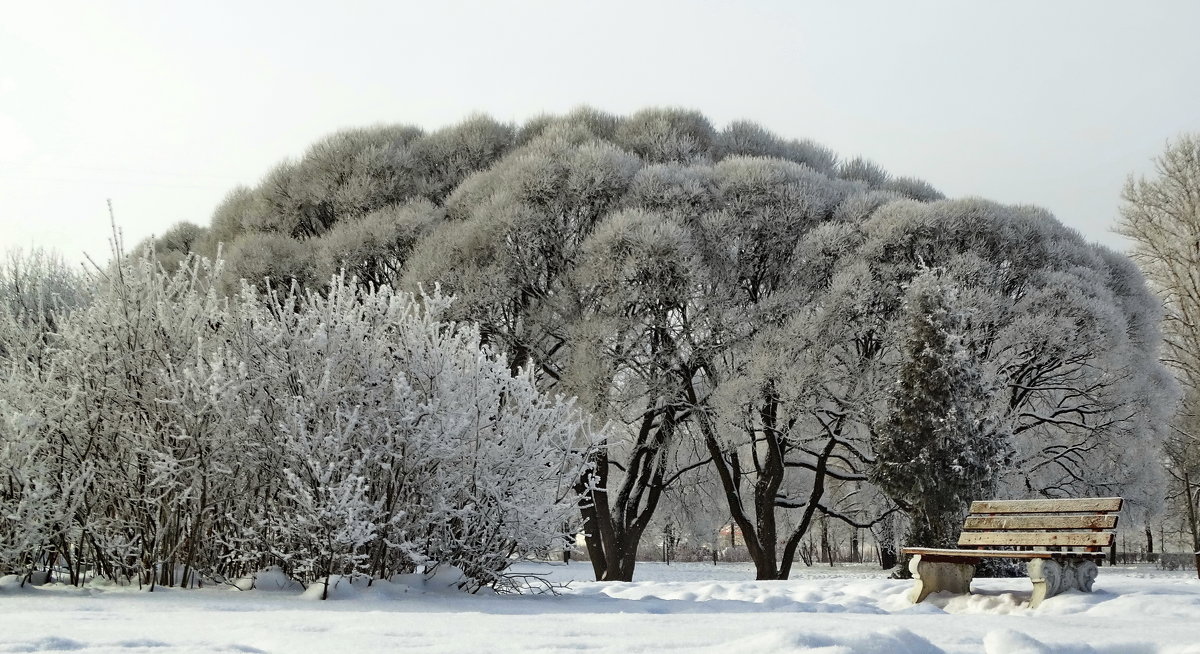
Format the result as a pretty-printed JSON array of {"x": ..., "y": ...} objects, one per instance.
[{"x": 936, "y": 449}]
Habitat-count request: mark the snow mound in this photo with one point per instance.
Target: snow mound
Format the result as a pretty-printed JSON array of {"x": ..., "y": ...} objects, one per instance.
[
  {"x": 340, "y": 588},
  {"x": 49, "y": 644},
  {"x": 13, "y": 582},
  {"x": 1008, "y": 641},
  {"x": 270, "y": 579},
  {"x": 891, "y": 640},
  {"x": 444, "y": 579}
]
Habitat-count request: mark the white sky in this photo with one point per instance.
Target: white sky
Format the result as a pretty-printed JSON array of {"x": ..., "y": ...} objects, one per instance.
[{"x": 164, "y": 106}]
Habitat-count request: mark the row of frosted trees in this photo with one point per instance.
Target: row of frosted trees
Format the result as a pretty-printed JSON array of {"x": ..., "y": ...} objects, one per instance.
[
  {"x": 157, "y": 431},
  {"x": 778, "y": 336}
]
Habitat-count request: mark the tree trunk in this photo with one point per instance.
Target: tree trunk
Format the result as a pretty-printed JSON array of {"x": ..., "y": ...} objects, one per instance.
[
  {"x": 766, "y": 489},
  {"x": 589, "y": 510},
  {"x": 1192, "y": 520},
  {"x": 825, "y": 544},
  {"x": 887, "y": 543},
  {"x": 814, "y": 498}
]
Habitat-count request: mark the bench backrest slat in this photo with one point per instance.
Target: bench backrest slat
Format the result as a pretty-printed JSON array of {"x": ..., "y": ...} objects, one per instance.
[
  {"x": 1086, "y": 522},
  {"x": 1037, "y": 538},
  {"x": 1038, "y": 522},
  {"x": 1081, "y": 505}
]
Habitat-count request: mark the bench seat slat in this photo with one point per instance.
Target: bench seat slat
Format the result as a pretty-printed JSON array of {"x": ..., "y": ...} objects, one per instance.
[
  {"x": 935, "y": 553},
  {"x": 1078, "y": 505},
  {"x": 1037, "y": 538},
  {"x": 1036, "y": 522}
]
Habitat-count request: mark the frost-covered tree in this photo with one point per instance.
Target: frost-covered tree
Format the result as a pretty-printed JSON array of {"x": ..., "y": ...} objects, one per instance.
[
  {"x": 599, "y": 124},
  {"x": 444, "y": 158},
  {"x": 863, "y": 170},
  {"x": 768, "y": 435},
  {"x": 937, "y": 448},
  {"x": 373, "y": 249},
  {"x": 634, "y": 357},
  {"x": 917, "y": 189},
  {"x": 828, "y": 364},
  {"x": 172, "y": 248},
  {"x": 1066, "y": 328},
  {"x": 235, "y": 214},
  {"x": 1161, "y": 214},
  {"x": 270, "y": 258},
  {"x": 341, "y": 177},
  {"x": 666, "y": 135},
  {"x": 39, "y": 286},
  {"x": 351, "y": 175}
]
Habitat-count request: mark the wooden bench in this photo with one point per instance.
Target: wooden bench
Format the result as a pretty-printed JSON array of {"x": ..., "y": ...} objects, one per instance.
[{"x": 1062, "y": 539}]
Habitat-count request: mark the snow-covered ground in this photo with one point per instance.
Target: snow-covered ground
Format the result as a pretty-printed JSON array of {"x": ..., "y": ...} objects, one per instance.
[{"x": 678, "y": 608}]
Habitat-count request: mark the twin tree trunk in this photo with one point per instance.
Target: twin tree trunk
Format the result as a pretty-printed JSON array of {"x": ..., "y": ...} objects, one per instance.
[
  {"x": 613, "y": 526},
  {"x": 761, "y": 533}
]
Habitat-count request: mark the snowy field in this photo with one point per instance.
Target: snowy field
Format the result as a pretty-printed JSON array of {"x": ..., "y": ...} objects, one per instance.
[{"x": 678, "y": 608}]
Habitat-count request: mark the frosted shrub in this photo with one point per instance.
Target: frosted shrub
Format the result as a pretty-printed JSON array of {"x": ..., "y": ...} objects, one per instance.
[
  {"x": 402, "y": 440},
  {"x": 164, "y": 429}
]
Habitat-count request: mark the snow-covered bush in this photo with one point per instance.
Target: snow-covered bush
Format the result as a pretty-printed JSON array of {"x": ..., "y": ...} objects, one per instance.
[
  {"x": 165, "y": 429},
  {"x": 401, "y": 440}
]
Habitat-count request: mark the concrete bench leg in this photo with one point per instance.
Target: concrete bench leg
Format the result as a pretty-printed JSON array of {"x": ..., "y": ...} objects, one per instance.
[
  {"x": 1052, "y": 577},
  {"x": 1049, "y": 579},
  {"x": 932, "y": 577},
  {"x": 1085, "y": 574}
]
